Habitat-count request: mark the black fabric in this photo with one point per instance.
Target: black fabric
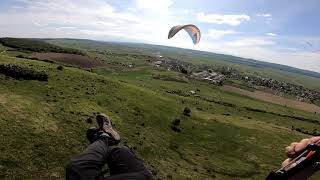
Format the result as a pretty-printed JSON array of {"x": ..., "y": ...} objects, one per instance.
[{"x": 122, "y": 162}]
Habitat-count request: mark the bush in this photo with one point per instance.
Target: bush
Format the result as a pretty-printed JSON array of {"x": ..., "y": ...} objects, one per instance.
[
  {"x": 186, "y": 111},
  {"x": 20, "y": 56},
  {"x": 176, "y": 128},
  {"x": 20, "y": 72},
  {"x": 315, "y": 132},
  {"x": 175, "y": 125},
  {"x": 60, "y": 68},
  {"x": 184, "y": 71},
  {"x": 176, "y": 122}
]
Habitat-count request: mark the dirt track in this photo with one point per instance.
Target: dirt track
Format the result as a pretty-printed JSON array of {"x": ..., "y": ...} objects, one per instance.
[
  {"x": 274, "y": 99},
  {"x": 73, "y": 59}
]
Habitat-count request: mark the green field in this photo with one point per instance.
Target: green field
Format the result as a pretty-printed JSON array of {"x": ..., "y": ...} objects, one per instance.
[{"x": 43, "y": 124}]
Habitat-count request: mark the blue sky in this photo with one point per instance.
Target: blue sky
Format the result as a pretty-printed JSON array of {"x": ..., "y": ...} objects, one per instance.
[{"x": 284, "y": 32}]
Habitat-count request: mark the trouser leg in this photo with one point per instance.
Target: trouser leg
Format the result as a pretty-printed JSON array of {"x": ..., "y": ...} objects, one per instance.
[
  {"x": 88, "y": 164},
  {"x": 124, "y": 164},
  {"x": 123, "y": 160}
]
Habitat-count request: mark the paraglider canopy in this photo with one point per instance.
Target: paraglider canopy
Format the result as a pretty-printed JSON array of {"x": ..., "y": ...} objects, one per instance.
[{"x": 191, "y": 29}]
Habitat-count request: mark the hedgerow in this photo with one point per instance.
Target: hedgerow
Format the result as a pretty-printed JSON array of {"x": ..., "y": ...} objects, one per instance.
[{"x": 22, "y": 72}]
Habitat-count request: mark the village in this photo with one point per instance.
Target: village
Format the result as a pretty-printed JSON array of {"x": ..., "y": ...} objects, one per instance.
[{"x": 219, "y": 75}]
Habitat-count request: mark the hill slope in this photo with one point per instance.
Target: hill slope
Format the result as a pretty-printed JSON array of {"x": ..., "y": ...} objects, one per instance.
[{"x": 227, "y": 136}]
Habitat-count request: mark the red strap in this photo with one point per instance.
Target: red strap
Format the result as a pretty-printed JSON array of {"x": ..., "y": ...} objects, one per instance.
[{"x": 310, "y": 154}]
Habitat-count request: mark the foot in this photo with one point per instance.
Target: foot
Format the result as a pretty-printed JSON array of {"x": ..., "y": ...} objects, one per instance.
[
  {"x": 105, "y": 125},
  {"x": 94, "y": 134}
]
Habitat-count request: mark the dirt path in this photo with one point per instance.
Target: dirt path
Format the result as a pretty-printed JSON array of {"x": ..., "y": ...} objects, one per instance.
[{"x": 274, "y": 99}]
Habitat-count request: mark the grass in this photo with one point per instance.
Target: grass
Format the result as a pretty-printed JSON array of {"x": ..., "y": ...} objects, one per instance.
[
  {"x": 2, "y": 48},
  {"x": 43, "y": 124}
]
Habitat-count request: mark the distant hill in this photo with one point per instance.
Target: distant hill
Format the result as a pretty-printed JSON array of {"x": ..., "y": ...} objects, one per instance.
[
  {"x": 201, "y": 54},
  {"x": 231, "y": 59},
  {"x": 300, "y": 77},
  {"x": 36, "y": 45}
]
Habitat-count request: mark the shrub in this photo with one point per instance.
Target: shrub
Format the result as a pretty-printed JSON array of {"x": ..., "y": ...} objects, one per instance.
[
  {"x": 175, "y": 125},
  {"x": 21, "y": 72},
  {"x": 186, "y": 111},
  {"x": 175, "y": 128},
  {"x": 176, "y": 122},
  {"x": 184, "y": 71},
  {"x": 20, "y": 56},
  {"x": 60, "y": 68}
]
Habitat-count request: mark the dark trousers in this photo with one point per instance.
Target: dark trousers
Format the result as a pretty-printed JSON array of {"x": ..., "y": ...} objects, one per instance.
[{"x": 122, "y": 163}]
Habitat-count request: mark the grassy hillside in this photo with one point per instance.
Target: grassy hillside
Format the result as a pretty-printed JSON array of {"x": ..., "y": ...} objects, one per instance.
[
  {"x": 43, "y": 123},
  {"x": 36, "y": 45}
]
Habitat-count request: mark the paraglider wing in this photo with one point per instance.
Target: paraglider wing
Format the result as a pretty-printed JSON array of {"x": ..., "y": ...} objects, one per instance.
[{"x": 191, "y": 29}]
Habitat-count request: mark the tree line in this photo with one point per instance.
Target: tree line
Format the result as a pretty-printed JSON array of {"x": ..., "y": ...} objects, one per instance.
[{"x": 37, "y": 45}]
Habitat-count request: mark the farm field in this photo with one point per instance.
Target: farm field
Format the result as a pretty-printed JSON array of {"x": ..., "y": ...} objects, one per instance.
[
  {"x": 274, "y": 99},
  {"x": 72, "y": 59}
]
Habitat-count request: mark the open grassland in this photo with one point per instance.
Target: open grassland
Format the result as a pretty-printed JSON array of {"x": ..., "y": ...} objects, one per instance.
[{"x": 43, "y": 124}]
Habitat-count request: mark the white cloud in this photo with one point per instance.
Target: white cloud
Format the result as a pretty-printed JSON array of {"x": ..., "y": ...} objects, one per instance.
[
  {"x": 302, "y": 60},
  {"x": 154, "y": 5},
  {"x": 298, "y": 59},
  {"x": 264, "y": 15},
  {"x": 218, "y": 34},
  {"x": 249, "y": 42},
  {"x": 230, "y": 19},
  {"x": 271, "y": 34},
  {"x": 95, "y": 19}
]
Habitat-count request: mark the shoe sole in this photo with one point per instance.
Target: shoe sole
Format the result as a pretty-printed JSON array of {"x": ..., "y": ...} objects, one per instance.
[
  {"x": 108, "y": 129},
  {"x": 113, "y": 133}
]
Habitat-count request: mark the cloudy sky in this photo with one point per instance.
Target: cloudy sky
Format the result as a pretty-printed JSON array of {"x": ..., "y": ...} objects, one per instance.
[{"x": 285, "y": 32}]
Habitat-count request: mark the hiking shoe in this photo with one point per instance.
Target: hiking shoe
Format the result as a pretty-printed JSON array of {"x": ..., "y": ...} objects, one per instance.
[
  {"x": 94, "y": 134},
  {"x": 105, "y": 125}
]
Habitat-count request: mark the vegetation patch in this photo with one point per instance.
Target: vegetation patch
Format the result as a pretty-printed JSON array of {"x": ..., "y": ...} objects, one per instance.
[
  {"x": 175, "y": 125},
  {"x": 187, "y": 111},
  {"x": 36, "y": 45},
  {"x": 315, "y": 132},
  {"x": 21, "y": 72},
  {"x": 283, "y": 115}
]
